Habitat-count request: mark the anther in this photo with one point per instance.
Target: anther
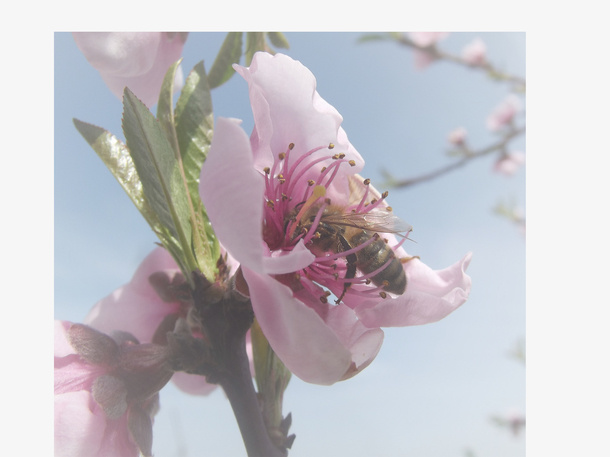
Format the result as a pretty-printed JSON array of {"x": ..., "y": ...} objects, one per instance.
[
  {"x": 383, "y": 294},
  {"x": 284, "y": 197},
  {"x": 352, "y": 163},
  {"x": 385, "y": 194},
  {"x": 331, "y": 146},
  {"x": 367, "y": 281},
  {"x": 327, "y": 201},
  {"x": 407, "y": 259},
  {"x": 388, "y": 208},
  {"x": 282, "y": 155},
  {"x": 311, "y": 182},
  {"x": 270, "y": 204},
  {"x": 267, "y": 170},
  {"x": 323, "y": 169},
  {"x": 291, "y": 146},
  {"x": 366, "y": 182},
  {"x": 323, "y": 299},
  {"x": 385, "y": 283}
]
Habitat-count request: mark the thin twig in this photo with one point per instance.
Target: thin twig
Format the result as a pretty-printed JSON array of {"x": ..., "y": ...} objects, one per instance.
[{"x": 447, "y": 168}]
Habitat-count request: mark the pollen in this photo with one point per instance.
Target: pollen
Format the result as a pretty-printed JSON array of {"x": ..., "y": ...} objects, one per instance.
[{"x": 407, "y": 259}]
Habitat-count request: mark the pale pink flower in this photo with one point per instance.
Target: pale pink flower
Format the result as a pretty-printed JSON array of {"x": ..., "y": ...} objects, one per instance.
[
  {"x": 513, "y": 419},
  {"x": 509, "y": 163},
  {"x": 138, "y": 60},
  {"x": 503, "y": 114},
  {"x": 259, "y": 191},
  {"x": 106, "y": 392},
  {"x": 457, "y": 137},
  {"x": 425, "y": 39},
  {"x": 138, "y": 309},
  {"x": 474, "y": 53}
]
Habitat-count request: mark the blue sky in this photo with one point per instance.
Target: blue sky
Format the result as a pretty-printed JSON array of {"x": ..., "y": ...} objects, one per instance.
[{"x": 432, "y": 389}]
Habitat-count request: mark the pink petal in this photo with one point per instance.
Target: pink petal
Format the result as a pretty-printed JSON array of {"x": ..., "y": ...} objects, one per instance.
[
  {"x": 288, "y": 109},
  {"x": 119, "y": 53},
  {"x": 300, "y": 338},
  {"x": 138, "y": 60},
  {"x": 136, "y": 308},
  {"x": 364, "y": 343},
  {"x": 282, "y": 262},
  {"x": 192, "y": 384},
  {"x": 78, "y": 430},
  {"x": 62, "y": 346},
  {"x": 232, "y": 192},
  {"x": 425, "y": 39},
  {"x": 430, "y": 296}
]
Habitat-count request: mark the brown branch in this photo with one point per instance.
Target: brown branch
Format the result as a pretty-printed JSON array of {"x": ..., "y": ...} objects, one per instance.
[
  {"x": 469, "y": 155},
  {"x": 438, "y": 54}
]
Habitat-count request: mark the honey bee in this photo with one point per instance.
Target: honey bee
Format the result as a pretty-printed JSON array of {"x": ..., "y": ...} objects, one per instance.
[{"x": 339, "y": 230}]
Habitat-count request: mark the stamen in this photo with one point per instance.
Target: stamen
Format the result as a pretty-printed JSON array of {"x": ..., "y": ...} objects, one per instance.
[
  {"x": 349, "y": 251},
  {"x": 318, "y": 191}
]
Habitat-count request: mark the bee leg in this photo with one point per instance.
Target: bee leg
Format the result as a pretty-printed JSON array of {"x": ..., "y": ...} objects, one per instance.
[{"x": 351, "y": 267}]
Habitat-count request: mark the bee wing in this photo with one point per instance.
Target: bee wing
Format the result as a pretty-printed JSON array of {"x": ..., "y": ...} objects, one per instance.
[{"x": 374, "y": 221}]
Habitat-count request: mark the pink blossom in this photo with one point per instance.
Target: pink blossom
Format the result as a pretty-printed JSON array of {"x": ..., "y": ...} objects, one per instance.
[
  {"x": 138, "y": 60},
  {"x": 138, "y": 309},
  {"x": 509, "y": 163},
  {"x": 474, "y": 53},
  {"x": 513, "y": 419},
  {"x": 261, "y": 192},
  {"x": 457, "y": 137},
  {"x": 105, "y": 392},
  {"x": 425, "y": 39},
  {"x": 503, "y": 115}
]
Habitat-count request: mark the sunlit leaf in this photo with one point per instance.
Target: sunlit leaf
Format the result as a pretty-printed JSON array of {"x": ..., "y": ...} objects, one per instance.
[
  {"x": 157, "y": 166},
  {"x": 195, "y": 128},
  {"x": 116, "y": 156},
  {"x": 230, "y": 53},
  {"x": 255, "y": 41},
  {"x": 278, "y": 39}
]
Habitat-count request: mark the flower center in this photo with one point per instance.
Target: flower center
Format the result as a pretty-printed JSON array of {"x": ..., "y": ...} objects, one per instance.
[{"x": 350, "y": 254}]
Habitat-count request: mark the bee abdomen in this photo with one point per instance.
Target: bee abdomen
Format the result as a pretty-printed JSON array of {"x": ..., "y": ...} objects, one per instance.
[{"x": 374, "y": 256}]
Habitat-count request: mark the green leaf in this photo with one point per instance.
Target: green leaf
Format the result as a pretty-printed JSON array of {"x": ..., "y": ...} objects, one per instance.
[
  {"x": 373, "y": 37},
  {"x": 255, "y": 41},
  {"x": 165, "y": 106},
  {"x": 116, "y": 156},
  {"x": 194, "y": 120},
  {"x": 230, "y": 53},
  {"x": 278, "y": 39},
  {"x": 159, "y": 171}
]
